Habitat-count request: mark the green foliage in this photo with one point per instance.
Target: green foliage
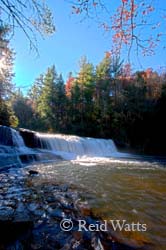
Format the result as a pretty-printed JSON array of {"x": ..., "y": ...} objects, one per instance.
[
  {"x": 36, "y": 89},
  {"x": 82, "y": 94},
  {"x": 7, "y": 116},
  {"x": 98, "y": 102},
  {"x": 46, "y": 101},
  {"x": 6, "y": 64},
  {"x": 49, "y": 100},
  {"x": 23, "y": 110},
  {"x": 4, "y": 114}
]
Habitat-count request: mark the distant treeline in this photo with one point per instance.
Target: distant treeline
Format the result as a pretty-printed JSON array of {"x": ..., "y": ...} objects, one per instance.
[{"x": 106, "y": 101}]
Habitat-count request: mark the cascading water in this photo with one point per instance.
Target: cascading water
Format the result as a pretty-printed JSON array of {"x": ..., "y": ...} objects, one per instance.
[
  {"x": 11, "y": 144},
  {"x": 79, "y": 146},
  {"x": 10, "y": 137},
  {"x": 13, "y": 150},
  {"x": 17, "y": 138}
]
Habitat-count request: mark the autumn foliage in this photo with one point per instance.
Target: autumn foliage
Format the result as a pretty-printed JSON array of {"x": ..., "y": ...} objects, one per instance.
[
  {"x": 126, "y": 23},
  {"x": 108, "y": 101}
]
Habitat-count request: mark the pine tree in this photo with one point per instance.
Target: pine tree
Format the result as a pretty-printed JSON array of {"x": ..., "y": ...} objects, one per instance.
[
  {"x": 23, "y": 110},
  {"x": 36, "y": 89},
  {"x": 46, "y": 102},
  {"x": 60, "y": 104},
  {"x": 102, "y": 100},
  {"x": 83, "y": 93}
]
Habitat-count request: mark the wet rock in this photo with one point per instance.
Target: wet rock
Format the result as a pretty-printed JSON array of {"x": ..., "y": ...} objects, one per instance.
[
  {"x": 64, "y": 188},
  {"x": 51, "y": 199},
  {"x": 10, "y": 231},
  {"x": 30, "y": 138},
  {"x": 33, "y": 172},
  {"x": 57, "y": 213},
  {"x": 38, "y": 212},
  {"x": 6, "y": 213},
  {"x": 52, "y": 242},
  {"x": 32, "y": 211},
  {"x": 77, "y": 235},
  {"x": 32, "y": 206},
  {"x": 96, "y": 244},
  {"x": 85, "y": 211},
  {"x": 10, "y": 203},
  {"x": 21, "y": 213}
]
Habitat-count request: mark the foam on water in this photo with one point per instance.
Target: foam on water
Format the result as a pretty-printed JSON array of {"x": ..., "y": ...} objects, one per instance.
[
  {"x": 72, "y": 147},
  {"x": 17, "y": 139},
  {"x": 88, "y": 151}
]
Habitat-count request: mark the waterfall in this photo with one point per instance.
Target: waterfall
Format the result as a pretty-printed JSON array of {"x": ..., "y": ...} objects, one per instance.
[
  {"x": 10, "y": 137},
  {"x": 77, "y": 145},
  {"x": 17, "y": 138}
]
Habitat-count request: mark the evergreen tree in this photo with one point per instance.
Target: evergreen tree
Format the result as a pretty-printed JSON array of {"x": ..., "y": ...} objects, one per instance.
[
  {"x": 23, "y": 110},
  {"x": 4, "y": 114},
  {"x": 60, "y": 104},
  {"x": 51, "y": 100},
  {"x": 36, "y": 89},
  {"x": 46, "y": 104},
  {"x": 6, "y": 73},
  {"x": 102, "y": 101},
  {"x": 83, "y": 93},
  {"x": 6, "y": 64},
  {"x": 75, "y": 111}
]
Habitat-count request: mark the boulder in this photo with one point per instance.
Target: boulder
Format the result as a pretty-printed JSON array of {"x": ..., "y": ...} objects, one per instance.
[{"x": 30, "y": 138}]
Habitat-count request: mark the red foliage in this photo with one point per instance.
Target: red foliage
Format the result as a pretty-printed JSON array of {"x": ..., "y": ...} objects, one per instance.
[
  {"x": 68, "y": 86},
  {"x": 108, "y": 54},
  {"x": 126, "y": 23}
]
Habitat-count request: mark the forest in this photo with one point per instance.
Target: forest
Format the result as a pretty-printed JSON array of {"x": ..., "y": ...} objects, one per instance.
[{"x": 104, "y": 101}]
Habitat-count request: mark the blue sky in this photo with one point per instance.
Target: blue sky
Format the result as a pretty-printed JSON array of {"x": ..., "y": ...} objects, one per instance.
[{"x": 72, "y": 40}]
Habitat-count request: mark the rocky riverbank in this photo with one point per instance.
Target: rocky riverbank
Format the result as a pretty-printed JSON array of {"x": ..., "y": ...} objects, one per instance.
[{"x": 32, "y": 208}]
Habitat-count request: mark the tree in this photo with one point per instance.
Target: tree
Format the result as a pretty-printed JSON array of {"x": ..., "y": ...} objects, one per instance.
[
  {"x": 35, "y": 91},
  {"x": 51, "y": 103},
  {"x": 60, "y": 104},
  {"x": 46, "y": 102},
  {"x": 126, "y": 21},
  {"x": 102, "y": 92},
  {"x": 7, "y": 116},
  {"x": 23, "y": 110},
  {"x": 4, "y": 114},
  {"x": 84, "y": 87},
  {"x": 30, "y": 16},
  {"x": 106, "y": 92},
  {"x": 157, "y": 131},
  {"x": 69, "y": 84},
  {"x": 6, "y": 64}
]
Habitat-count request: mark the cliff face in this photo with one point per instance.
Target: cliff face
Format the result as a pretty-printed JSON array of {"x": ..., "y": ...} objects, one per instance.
[
  {"x": 7, "y": 139},
  {"x": 29, "y": 138}
]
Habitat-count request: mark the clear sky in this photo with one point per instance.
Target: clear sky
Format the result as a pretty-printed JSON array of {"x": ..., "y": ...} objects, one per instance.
[{"x": 72, "y": 40}]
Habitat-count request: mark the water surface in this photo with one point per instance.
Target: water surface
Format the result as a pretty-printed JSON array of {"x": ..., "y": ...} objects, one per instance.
[{"x": 131, "y": 191}]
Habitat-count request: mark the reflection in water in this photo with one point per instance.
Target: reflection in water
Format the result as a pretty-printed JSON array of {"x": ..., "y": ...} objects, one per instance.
[{"x": 131, "y": 192}]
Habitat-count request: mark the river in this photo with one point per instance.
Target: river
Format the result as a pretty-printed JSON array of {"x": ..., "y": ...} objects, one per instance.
[
  {"x": 116, "y": 186},
  {"x": 119, "y": 190}
]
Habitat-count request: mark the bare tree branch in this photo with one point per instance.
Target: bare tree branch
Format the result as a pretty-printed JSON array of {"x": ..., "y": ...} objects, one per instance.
[{"x": 30, "y": 16}]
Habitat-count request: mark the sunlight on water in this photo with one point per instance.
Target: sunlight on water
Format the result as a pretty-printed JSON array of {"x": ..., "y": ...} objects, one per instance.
[
  {"x": 75, "y": 145},
  {"x": 120, "y": 190}
]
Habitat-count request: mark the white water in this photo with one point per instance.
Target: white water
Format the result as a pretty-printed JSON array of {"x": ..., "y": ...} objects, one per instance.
[
  {"x": 19, "y": 143},
  {"x": 17, "y": 138},
  {"x": 72, "y": 147}
]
